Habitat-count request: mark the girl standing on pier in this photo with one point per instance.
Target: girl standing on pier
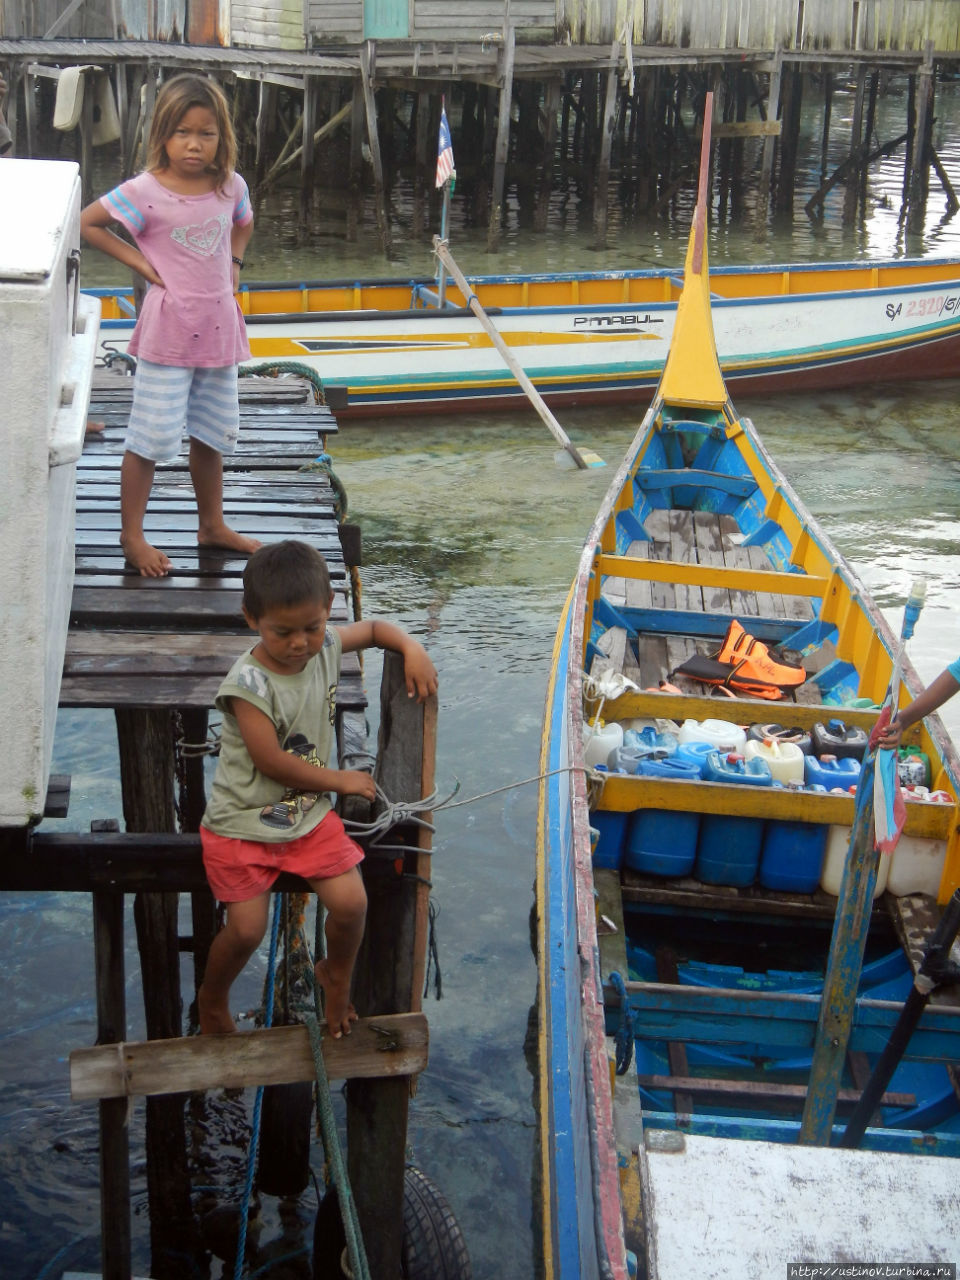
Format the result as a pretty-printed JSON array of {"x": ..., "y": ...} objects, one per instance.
[{"x": 190, "y": 218}]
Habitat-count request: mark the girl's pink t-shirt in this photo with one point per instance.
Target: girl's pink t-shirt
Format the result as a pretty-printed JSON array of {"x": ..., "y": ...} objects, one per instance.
[{"x": 193, "y": 320}]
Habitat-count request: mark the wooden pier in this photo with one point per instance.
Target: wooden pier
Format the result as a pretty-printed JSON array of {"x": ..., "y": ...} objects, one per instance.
[
  {"x": 322, "y": 97},
  {"x": 155, "y": 651}
]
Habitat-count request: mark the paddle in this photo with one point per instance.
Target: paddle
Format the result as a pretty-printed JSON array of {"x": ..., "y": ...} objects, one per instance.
[{"x": 583, "y": 460}]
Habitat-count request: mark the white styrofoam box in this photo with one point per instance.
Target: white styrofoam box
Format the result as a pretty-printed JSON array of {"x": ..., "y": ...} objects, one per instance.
[{"x": 50, "y": 337}]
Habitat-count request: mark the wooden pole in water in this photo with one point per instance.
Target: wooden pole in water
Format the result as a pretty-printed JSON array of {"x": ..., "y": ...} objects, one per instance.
[
  {"x": 551, "y": 105},
  {"x": 308, "y": 119},
  {"x": 115, "y": 1240},
  {"x": 916, "y": 209},
  {"x": 367, "y": 72},
  {"x": 389, "y": 972},
  {"x": 602, "y": 184},
  {"x": 769, "y": 145},
  {"x": 852, "y": 192},
  {"x": 146, "y": 742},
  {"x": 503, "y": 141}
]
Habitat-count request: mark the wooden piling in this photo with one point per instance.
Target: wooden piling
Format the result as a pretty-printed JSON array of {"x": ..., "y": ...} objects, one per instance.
[
  {"x": 852, "y": 192},
  {"x": 551, "y": 105},
  {"x": 769, "y": 147},
  {"x": 114, "y": 1133},
  {"x": 308, "y": 122},
  {"x": 503, "y": 142},
  {"x": 389, "y": 972},
  {"x": 367, "y": 71},
  {"x": 922, "y": 141},
  {"x": 602, "y": 183},
  {"x": 146, "y": 743}
]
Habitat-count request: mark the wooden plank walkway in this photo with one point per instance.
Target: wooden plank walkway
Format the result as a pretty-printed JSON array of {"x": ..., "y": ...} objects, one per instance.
[{"x": 151, "y": 642}]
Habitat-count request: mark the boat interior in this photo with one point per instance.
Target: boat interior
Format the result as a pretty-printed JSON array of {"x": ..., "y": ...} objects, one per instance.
[{"x": 716, "y": 900}]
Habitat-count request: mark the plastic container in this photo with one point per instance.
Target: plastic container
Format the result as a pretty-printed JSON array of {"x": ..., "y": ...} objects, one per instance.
[
  {"x": 694, "y": 753},
  {"x": 793, "y": 856},
  {"x": 784, "y": 758},
  {"x": 837, "y": 738},
  {"x": 916, "y": 866},
  {"x": 799, "y": 737},
  {"x": 661, "y": 842},
  {"x": 913, "y": 767},
  {"x": 721, "y": 734},
  {"x": 612, "y": 834},
  {"x": 834, "y": 860},
  {"x": 599, "y": 740},
  {"x": 830, "y": 773},
  {"x": 669, "y": 767},
  {"x": 728, "y": 851}
]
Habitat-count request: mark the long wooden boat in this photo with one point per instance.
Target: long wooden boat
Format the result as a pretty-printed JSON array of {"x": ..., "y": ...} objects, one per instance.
[
  {"x": 384, "y": 346},
  {"x": 708, "y": 1010}
]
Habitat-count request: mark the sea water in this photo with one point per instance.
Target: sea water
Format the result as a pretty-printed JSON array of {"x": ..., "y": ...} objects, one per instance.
[{"x": 471, "y": 539}]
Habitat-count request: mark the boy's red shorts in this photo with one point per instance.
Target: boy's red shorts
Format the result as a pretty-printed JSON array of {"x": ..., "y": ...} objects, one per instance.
[{"x": 239, "y": 870}]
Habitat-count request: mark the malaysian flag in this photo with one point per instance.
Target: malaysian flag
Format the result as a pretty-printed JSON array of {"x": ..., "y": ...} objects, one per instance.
[{"x": 444, "y": 150}]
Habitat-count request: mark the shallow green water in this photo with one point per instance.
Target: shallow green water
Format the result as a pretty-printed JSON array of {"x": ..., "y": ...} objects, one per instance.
[{"x": 471, "y": 536}]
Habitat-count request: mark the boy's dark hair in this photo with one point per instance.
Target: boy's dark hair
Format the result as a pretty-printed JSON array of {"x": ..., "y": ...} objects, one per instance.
[{"x": 283, "y": 574}]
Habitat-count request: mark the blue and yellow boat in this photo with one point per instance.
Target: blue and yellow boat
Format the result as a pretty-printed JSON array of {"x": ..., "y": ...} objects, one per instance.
[
  {"x": 386, "y": 346},
  {"x": 747, "y": 1016}
]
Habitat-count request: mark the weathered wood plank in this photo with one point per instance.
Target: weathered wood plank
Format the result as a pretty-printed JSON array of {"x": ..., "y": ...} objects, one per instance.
[{"x": 391, "y": 1045}]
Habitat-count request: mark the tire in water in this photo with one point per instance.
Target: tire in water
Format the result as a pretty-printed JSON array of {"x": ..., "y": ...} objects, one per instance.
[{"x": 433, "y": 1245}]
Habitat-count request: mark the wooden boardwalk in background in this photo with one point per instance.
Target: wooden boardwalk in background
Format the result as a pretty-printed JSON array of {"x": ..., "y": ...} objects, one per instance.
[{"x": 153, "y": 642}]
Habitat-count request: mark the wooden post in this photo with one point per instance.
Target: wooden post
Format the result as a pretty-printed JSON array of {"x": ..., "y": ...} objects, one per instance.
[
  {"x": 602, "y": 184},
  {"x": 867, "y": 136},
  {"x": 769, "y": 143},
  {"x": 266, "y": 106},
  {"x": 146, "y": 741},
  {"x": 356, "y": 161},
  {"x": 115, "y": 1239},
  {"x": 307, "y": 156},
  {"x": 389, "y": 974},
  {"x": 193, "y": 801},
  {"x": 503, "y": 142},
  {"x": 30, "y": 111},
  {"x": 919, "y": 185},
  {"x": 827, "y": 111},
  {"x": 367, "y": 72},
  {"x": 852, "y": 193},
  {"x": 789, "y": 139},
  {"x": 86, "y": 141},
  {"x": 422, "y": 182},
  {"x": 551, "y": 104}
]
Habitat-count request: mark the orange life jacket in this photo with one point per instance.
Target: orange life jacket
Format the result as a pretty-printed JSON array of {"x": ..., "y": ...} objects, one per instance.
[{"x": 745, "y": 664}]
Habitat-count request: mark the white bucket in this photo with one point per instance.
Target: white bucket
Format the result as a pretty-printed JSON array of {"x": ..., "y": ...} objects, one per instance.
[
  {"x": 600, "y": 741},
  {"x": 721, "y": 734},
  {"x": 835, "y": 857},
  {"x": 784, "y": 758},
  {"x": 917, "y": 866}
]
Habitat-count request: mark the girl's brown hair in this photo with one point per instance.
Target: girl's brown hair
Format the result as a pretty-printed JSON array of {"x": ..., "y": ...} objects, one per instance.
[{"x": 174, "y": 100}]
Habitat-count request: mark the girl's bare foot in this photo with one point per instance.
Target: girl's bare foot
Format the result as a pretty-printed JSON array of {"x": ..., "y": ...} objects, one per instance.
[
  {"x": 223, "y": 536},
  {"x": 149, "y": 561},
  {"x": 215, "y": 1019},
  {"x": 336, "y": 1001}
]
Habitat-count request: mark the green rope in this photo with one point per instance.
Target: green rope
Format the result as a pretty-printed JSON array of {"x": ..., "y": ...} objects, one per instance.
[
  {"x": 323, "y": 463},
  {"x": 274, "y": 368},
  {"x": 359, "y": 1268}
]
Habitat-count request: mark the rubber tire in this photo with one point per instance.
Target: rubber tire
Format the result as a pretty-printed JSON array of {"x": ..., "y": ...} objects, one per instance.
[{"x": 433, "y": 1246}]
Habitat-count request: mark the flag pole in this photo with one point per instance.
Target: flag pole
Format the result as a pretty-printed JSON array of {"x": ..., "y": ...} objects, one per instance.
[{"x": 444, "y": 218}]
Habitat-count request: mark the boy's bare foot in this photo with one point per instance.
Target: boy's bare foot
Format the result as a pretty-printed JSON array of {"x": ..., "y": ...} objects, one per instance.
[
  {"x": 336, "y": 1001},
  {"x": 149, "y": 561},
  {"x": 215, "y": 1019},
  {"x": 93, "y": 428},
  {"x": 223, "y": 536}
]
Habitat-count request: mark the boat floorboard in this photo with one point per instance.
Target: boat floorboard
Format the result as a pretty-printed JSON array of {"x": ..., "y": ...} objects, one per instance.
[{"x": 698, "y": 537}]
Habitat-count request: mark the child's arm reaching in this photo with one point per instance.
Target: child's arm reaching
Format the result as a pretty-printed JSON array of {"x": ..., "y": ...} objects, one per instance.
[
  {"x": 420, "y": 673},
  {"x": 260, "y": 738},
  {"x": 95, "y": 221},
  {"x": 935, "y": 695}
]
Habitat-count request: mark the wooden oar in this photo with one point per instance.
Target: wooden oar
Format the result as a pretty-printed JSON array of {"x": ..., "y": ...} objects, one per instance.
[{"x": 582, "y": 459}]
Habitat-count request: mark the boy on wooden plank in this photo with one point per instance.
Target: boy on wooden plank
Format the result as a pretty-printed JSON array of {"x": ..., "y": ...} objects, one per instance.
[
  {"x": 190, "y": 217},
  {"x": 269, "y": 810}
]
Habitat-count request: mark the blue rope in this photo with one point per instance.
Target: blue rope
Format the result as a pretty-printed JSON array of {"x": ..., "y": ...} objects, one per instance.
[
  {"x": 625, "y": 1032},
  {"x": 258, "y": 1101}
]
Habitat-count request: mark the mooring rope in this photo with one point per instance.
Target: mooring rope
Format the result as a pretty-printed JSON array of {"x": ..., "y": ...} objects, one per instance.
[
  {"x": 257, "y": 1104},
  {"x": 275, "y": 368}
]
